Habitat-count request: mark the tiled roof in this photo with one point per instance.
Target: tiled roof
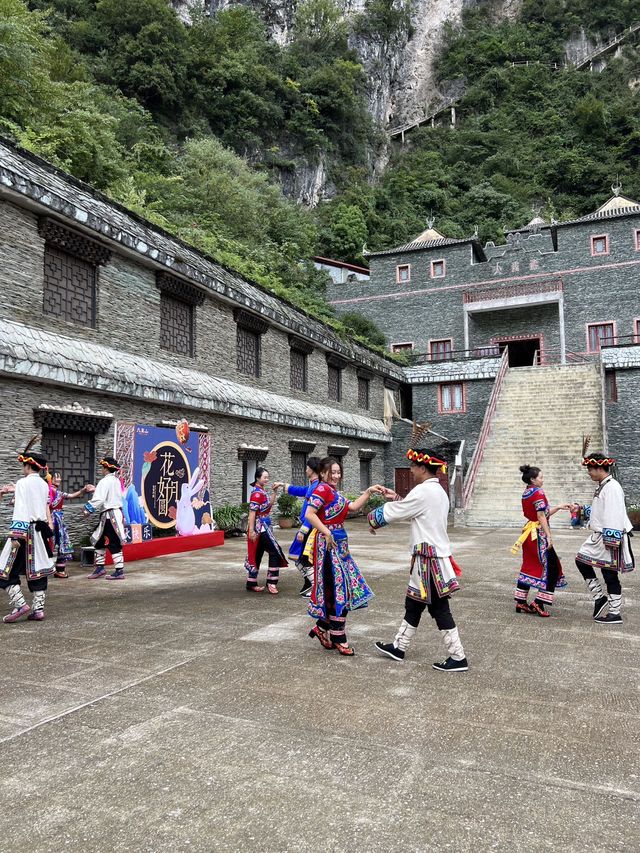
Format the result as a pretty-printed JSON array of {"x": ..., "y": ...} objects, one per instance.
[
  {"x": 419, "y": 245},
  {"x": 621, "y": 357},
  {"x": 43, "y": 356},
  {"x": 65, "y": 197},
  {"x": 453, "y": 371}
]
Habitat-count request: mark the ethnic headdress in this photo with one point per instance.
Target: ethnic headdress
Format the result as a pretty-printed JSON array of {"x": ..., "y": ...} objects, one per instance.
[
  {"x": 36, "y": 460},
  {"x": 418, "y": 454},
  {"x": 110, "y": 463},
  {"x": 598, "y": 460}
]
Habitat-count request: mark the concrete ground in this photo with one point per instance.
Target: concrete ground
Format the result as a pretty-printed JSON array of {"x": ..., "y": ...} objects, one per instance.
[{"x": 176, "y": 712}]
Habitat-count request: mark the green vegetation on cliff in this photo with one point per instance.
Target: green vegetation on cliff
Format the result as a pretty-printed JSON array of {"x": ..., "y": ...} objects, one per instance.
[{"x": 197, "y": 127}]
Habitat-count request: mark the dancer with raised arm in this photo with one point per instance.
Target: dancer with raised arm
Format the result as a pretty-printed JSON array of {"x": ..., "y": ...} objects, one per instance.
[
  {"x": 608, "y": 548},
  {"x": 338, "y": 584},
  {"x": 28, "y": 550},
  {"x": 260, "y": 538},
  {"x": 296, "y": 551},
  {"x": 541, "y": 568},
  {"x": 57, "y": 497},
  {"x": 433, "y": 574}
]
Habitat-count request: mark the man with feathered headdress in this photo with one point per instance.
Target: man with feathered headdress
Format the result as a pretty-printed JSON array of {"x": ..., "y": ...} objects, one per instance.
[
  {"x": 28, "y": 550},
  {"x": 433, "y": 574},
  {"x": 608, "y": 547}
]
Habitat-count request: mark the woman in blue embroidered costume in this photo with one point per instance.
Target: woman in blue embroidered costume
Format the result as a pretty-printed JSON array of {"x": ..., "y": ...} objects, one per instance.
[
  {"x": 260, "y": 538},
  {"x": 109, "y": 534},
  {"x": 28, "y": 550},
  {"x": 608, "y": 548},
  {"x": 57, "y": 497},
  {"x": 338, "y": 584},
  {"x": 433, "y": 575},
  {"x": 541, "y": 566},
  {"x": 296, "y": 551}
]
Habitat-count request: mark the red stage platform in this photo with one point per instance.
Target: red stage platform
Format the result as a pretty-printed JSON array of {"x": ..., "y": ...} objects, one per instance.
[{"x": 169, "y": 545}]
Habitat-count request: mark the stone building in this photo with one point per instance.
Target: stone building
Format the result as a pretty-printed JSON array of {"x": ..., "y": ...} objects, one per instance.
[
  {"x": 562, "y": 299},
  {"x": 107, "y": 318}
]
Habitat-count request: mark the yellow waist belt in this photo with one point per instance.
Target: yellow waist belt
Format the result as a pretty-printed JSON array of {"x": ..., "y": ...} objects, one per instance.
[
  {"x": 529, "y": 530},
  {"x": 308, "y": 547}
]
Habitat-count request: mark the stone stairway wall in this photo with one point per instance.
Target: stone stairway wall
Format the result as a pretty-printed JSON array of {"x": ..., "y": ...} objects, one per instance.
[{"x": 541, "y": 416}]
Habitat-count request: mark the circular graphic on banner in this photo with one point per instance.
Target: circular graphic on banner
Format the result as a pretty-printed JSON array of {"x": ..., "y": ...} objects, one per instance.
[{"x": 162, "y": 483}]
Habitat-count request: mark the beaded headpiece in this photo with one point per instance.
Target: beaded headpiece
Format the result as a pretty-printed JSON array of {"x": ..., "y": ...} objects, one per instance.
[
  {"x": 110, "y": 463},
  {"x": 598, "y": 460},
  {"x": 423, "y": 457}
]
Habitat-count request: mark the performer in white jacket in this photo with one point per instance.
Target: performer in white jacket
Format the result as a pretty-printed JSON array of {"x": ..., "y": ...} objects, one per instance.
[
  {"x": 28, "y": 549},
  {"x": 107, "y": 501},
  {"x": 433, "y": 575},
  {"x": 608, "y": 548}
]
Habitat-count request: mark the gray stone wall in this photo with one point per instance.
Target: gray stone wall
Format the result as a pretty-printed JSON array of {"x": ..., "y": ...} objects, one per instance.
[
  {"x": 128, "y": 318},
  {"x": 227, "y": 433},
  {"x": 537, "y": 320},
  {"x": 622, "y": 431}
]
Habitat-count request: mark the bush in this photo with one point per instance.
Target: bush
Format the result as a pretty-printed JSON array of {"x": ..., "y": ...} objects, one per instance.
[
  {"x": 228, "y": 517},
  {"x": 288, "y": 506}
]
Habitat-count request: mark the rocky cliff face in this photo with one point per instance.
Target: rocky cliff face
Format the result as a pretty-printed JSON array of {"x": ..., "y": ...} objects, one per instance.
[{"x": 400, "y": 66}]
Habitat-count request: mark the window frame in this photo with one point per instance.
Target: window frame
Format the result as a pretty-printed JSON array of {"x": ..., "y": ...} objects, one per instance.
[
  {"x": 244, "y": 330},
  {"x": 364, "y": 383},
  {"x": 446, "y": 357},
  {"x": 450, "y": 411},
  {"x": 636, "y": 330},
  {"x": 366, "y": 464},
  {"x": 614, "y": 337},
  {"x": 636, "y": 242},
  {"x": 444, "y": 267},
  {"x": 52, "y": 251},
  {"x": 338, "y": 398},
  {"x": 607, "y": 247},
  {"x": 305, "y": 369},
  {"x": 164, "y": 296},
  {"x": 405, "y": 346},
  {"x": 298, "y": 478},
  {"x": 406, "y": 267},
  {"x": 610, "y": 386}
]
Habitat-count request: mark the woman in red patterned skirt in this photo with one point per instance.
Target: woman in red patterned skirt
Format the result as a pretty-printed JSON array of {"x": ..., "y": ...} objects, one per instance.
[{"x": 541, "y": 567}]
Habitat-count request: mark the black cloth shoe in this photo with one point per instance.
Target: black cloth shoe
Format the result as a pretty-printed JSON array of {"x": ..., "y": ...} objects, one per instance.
[
  {"x": 306, "y": 586},
  {"x": 390, "y": 651},
  {"x": 451, "y": 665},
  {"x": 599, "y": 605},
  {"x": 609, "y": 619}
]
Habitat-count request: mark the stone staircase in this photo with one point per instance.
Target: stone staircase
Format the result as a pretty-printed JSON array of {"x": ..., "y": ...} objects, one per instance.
[{"x": 540, "y": 418}]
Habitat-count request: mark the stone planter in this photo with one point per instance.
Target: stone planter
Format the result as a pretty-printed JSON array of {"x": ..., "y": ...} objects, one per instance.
[{"x": 285, "y": 523}]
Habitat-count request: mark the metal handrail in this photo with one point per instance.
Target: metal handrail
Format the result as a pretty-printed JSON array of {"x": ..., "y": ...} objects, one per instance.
[
  {"x": 488, "y": 351},
  {"x": 456, "y": 487},
  {"x": 485, "y": 430}
]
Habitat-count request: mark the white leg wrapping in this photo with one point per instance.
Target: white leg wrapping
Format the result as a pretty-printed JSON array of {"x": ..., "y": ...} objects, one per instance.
[
  {"x": 615, "y": 603},
  {"x": 38, "y": 600},
  {"x": 16, "y": 598},
  {"x": 118, "y": 561},
  {"x": 405, "y": 634},
  {"x": 452, "y": 644},
  {"x": 99, "y": 556}
]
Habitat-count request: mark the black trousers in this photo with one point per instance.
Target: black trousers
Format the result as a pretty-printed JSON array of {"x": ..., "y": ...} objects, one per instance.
[
  {"x": 20, "y": 568},
  {"x": 109, "y": 539},
  {"x": 610, "y": 576},
  {"x": 439, "y": 609}
]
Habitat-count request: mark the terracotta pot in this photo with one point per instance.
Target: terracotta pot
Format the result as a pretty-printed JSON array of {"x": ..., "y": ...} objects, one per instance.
[{"x": 285, "y": 523}]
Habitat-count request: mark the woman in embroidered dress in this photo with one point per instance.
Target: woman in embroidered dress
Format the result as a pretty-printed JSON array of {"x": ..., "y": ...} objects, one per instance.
[
  {"x": 541, "y": 567},
  {"x": 260, "y": 537},
  {"x": 296, "y": 550},
  {"x": 64, "y": 548},
  {"x": 338, "y": 584}
]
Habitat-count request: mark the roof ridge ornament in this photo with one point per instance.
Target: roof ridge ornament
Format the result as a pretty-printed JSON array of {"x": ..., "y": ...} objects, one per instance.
[{"x": 616, "y": 188}]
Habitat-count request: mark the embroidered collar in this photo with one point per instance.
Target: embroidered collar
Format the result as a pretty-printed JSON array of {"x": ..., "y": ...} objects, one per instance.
[{"x": 602, "y": 484}]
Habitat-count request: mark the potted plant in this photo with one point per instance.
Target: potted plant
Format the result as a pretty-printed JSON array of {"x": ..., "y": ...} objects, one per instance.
[
  {"x": 287, "y": 510},
  {"x": 633, "y": 512},
  {"x": 228, "y": 518}
]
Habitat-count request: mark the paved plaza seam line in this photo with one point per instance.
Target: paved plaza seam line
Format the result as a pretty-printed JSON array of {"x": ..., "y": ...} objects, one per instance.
[{"x": 95, "y": 701}]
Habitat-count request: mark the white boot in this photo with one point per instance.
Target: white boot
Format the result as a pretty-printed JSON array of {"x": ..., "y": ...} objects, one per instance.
[
  {"x": 405, "y": 634},
  {"x": 18, "y": 603},
  {"x": 456, "y": 662},
  {"x": 37, "y": 606}
]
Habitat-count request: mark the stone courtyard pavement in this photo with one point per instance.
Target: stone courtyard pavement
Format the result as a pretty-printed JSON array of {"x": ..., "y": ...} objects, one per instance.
[{"x": 173, "y": 712}]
